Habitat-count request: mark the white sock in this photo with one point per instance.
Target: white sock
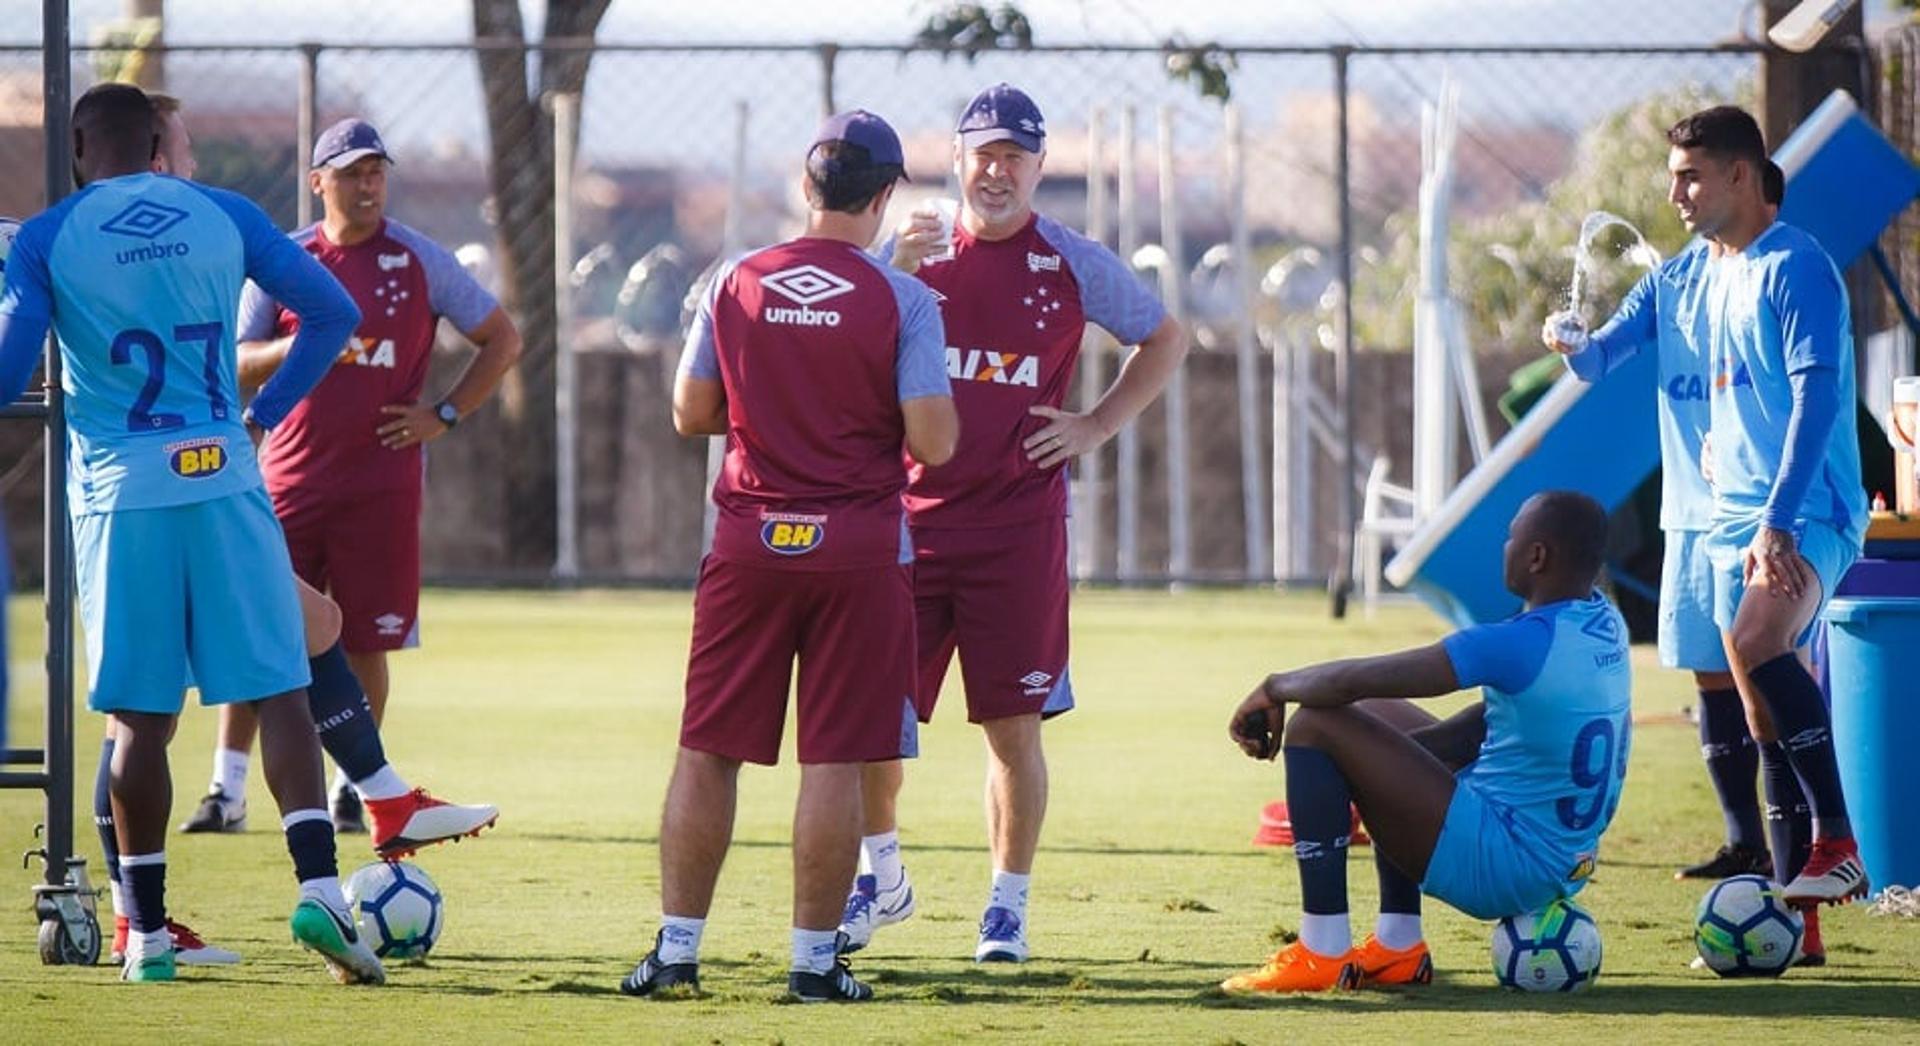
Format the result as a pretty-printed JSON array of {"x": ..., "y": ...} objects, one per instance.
[
  {"x": 1329, "y": 936},
  {"x": 383, "y": 783},
  {"x": 230, "y": 773},
  {"x": 326, "y": 890},
  {"x": 1397, "y": 930},
  {"x": 813, "y": 950},
  {"x": 119, "y": 891},
  {"x": 880, "y": 858},
  {"x": 680, "y": 939},
  {"x": 1009, "y": 892},
  {"x": 142, "y": 945}
]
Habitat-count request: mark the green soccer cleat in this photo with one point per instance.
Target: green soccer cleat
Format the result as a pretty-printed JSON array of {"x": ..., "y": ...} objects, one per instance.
[
  {"x": 321, "y": 929},
  {"x": 149, "y": 967}
]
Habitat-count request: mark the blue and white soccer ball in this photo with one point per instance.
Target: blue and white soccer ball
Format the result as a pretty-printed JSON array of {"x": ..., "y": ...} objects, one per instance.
[
  {"x": 400, "y": 910},
  {"x": 1744, "y": 928},
  {"x": 1556, "y": 949}
]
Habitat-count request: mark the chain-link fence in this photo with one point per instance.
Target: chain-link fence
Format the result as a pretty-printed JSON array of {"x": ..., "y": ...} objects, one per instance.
[{"x": 687, "y": 151}]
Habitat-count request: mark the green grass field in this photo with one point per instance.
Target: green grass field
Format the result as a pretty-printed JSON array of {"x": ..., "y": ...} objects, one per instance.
[{"x": 563, "y": 709}]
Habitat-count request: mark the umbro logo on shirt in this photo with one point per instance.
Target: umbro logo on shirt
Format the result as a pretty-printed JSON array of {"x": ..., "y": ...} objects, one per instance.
[
  {"x": 805, "y": 286},
  {"x": 389, "y": 624}
]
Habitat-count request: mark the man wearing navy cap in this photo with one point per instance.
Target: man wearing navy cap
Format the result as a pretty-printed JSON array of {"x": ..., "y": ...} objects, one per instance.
[
  {"x": 345, "y": 469},
  {"x": 989, "y": 527},
  {"x": 820, "y": 365}
]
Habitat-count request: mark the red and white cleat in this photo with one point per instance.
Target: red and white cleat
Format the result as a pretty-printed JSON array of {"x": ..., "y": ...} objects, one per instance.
[
  {"x": 406, "y": 823},
  {"x": 1833, "y": 875},
  {"x": 188, "y": 948}
]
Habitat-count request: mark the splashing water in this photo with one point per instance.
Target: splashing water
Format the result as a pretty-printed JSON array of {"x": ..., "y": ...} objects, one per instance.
[{"x": 1641, "y": 253}]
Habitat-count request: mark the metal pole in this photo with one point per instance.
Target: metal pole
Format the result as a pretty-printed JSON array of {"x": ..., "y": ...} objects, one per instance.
[
  {"x": 1253, "y": 493},
  {"x": 566, "y": 378},
  {"x": 829, "y": 54},
  {"x": 307, "y": 124},
  {"x": 1173, "y": 282},
  {"x": 732, "y": 242},
  {"x": 1087, "y": 509},
  {"x": 1340, "y": 584},
  {"x": 1127, "y": 467},
  {"x": 57, "y": 103}
]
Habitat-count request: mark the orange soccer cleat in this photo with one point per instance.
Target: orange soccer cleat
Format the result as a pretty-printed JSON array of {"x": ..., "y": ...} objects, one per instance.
[
  {"x": 408, "y": 822},
  {"x": 1295, "y": 969},
  {"x": 1380, "y": 964}
]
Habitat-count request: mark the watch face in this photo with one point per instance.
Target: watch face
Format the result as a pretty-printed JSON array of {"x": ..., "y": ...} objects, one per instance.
[{"x": 447, "y": 413}]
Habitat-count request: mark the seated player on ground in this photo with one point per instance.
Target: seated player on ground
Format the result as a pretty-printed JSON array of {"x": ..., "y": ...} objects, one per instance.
[{"x": 1511, "y": 832}]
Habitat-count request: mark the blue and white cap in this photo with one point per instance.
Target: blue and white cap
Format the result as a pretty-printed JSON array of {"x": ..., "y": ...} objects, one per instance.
[
  {"x": 1003, "y": 113},
  {"x": 346, "y": 142}
]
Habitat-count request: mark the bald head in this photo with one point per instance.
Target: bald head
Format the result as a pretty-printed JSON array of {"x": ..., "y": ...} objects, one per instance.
[
  {"x": 116, "y": 131},
  {"x": 1556, "y": 546}
]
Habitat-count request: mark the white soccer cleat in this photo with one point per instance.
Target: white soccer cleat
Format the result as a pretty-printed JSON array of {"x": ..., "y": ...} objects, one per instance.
[
  {"x": 406, "y": 823},
  {"x": 868, "y": 909}
]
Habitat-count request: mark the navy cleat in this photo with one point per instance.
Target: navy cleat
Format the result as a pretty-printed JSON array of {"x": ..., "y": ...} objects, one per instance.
[
  {"x": 835, "y": 985},
  {"x": 651, "y": 975}
]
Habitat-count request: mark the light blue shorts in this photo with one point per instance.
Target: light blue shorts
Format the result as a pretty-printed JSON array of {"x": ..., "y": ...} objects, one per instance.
[
  {"x": 1484, "y": 867},
  {"x": 1825, "y": 549},
  {"x": 198, "y": 594},
  {"x": 1689, "y": 638}
]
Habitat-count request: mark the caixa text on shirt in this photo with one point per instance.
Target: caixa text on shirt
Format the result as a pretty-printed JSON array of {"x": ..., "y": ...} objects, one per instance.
[{"x": 792, "y": 533}]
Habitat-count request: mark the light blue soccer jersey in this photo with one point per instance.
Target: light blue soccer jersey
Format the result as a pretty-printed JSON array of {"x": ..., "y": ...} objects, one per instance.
[
  {"x": 140, "y": 277},
  {"x": 1665, "y": 309},
  {"x": 1777, "y": 309},
  {"x": 1559, "y": 721}
]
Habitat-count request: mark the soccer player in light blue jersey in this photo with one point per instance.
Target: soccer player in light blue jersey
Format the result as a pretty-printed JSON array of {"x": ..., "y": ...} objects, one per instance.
[
  {"x": 1664, "y": 311},
  {"x": 1519, "y": 826},
  {"x": 182, "y": 569},
  {"x": 1789, "y": 511}
]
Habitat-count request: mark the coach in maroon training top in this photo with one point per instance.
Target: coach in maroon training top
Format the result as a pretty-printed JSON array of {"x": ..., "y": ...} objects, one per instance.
[
  {"x": 345, "y": 469},
  {"x": 1016, "y": 291},
  {"x": 820, "y": 365}
]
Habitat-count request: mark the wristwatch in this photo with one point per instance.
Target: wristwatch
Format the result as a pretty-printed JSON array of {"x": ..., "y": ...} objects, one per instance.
[{"x": 448, "y": 414}]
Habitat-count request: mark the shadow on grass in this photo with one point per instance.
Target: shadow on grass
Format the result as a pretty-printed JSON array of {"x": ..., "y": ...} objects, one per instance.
[
  {"x": 783, "y": 844},
  {"x": 1855, "y": 997}
]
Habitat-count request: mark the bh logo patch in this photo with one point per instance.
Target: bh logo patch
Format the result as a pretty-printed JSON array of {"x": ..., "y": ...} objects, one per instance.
[
  {"x": 792, "y": 534},
  {"x": 198, "y": 458}
]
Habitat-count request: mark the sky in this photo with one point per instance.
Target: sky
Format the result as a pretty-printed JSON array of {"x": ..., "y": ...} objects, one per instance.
[{"x": 890, "y": 21}]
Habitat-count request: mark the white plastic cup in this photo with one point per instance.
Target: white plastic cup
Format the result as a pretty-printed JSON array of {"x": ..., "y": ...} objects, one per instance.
[
  {"x": 1903, "y": 431},
  {"x": 1569, "y": 329},
  {"x": 948, "y": 211}
]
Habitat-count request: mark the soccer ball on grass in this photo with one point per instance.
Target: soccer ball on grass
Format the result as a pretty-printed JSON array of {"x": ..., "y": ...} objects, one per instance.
[
  {"x": 399, "y": 908},
  {"x": 1744, "y": 929}
]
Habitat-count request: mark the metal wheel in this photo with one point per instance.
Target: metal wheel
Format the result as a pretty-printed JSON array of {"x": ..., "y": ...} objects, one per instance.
[{"x": 60, "y": 947}]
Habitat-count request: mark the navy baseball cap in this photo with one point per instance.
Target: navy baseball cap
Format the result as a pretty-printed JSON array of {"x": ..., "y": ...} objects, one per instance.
[
  {"x": 1003, "y": 113},
  {"x": 864, "y": 129},
  {"x": 347, "y": 141}
]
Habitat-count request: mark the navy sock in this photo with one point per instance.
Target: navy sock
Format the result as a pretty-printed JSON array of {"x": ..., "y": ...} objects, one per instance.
[
  {"x": 1732, "y": 759},
  {"x": 1319, "y": 802},
  {"x": 343, "y": 717},
  {"x": 1399, "y": 895},
  {"x": 103, "y": 811},
  {"x": 147, "y": 896},
  {"x": 1806, "y": 729},
  {"x": 1789, "y": 822},
  {"x": 311, "y": 844}
]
